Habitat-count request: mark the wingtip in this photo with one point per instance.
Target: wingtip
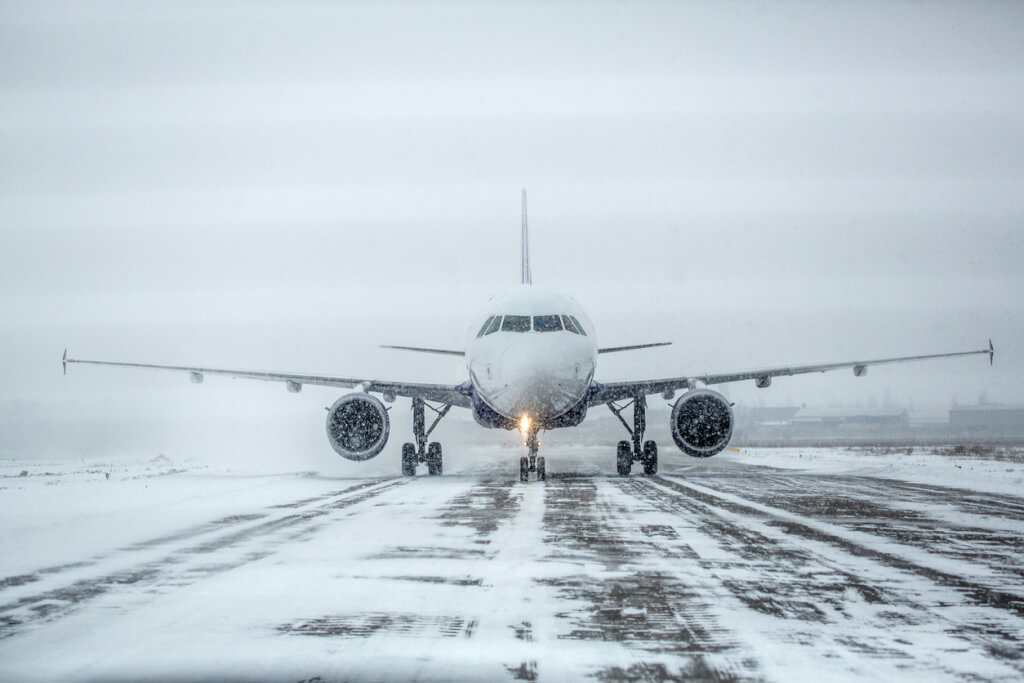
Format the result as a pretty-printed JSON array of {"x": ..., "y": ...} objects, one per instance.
[
  {"x": 991, "y": 352},
  {"x": 64, "y": 361}
]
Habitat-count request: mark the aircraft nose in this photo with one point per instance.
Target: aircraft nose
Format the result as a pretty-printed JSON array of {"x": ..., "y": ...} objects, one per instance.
[{"x": 542, "y": 382}]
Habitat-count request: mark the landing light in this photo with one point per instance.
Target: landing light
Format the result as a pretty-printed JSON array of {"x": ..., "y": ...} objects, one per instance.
[{"x": 524, "y": 423}]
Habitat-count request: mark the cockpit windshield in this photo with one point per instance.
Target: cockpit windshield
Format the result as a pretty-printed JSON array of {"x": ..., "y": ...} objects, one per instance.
[
  {"x": 483, "y": 328},
  {"x": 495, "y": 325},
  {"x": 547, "y": 323},
  {"x": 516, "y": 323},
  {"x": 522, "y": 323}
]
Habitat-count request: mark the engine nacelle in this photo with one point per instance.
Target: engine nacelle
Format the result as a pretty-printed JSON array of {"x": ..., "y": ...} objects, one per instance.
[
  {"x": 358, "y": 426},
  {"x": 702, "y": 423}
]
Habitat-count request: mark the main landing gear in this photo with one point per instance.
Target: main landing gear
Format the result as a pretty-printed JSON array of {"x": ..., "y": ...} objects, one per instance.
[
  {"x": 421, "y": 451},
  {"x": 645, "y": 452},
  {"x": 532, "y": 463}
]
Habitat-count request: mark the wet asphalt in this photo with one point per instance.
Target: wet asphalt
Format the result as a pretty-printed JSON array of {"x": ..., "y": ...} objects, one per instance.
[{"x": 737, "y": 574}]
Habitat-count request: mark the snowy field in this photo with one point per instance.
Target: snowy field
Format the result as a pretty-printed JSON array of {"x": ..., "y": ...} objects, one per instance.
[{"x": 760, "y": 564}]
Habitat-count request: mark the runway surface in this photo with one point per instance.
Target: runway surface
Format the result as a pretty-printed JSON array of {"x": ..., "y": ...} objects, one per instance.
[{"x": 735, "y": 571}]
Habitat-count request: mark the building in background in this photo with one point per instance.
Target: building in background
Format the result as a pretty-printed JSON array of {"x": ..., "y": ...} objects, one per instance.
[
  {"x": 982, "y": 423},
  {"x": 987, "y": 419}
]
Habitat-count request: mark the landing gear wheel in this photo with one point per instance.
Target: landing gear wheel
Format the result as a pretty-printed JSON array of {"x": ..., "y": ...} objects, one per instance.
[
  {"x": 524, "y": 469},
  {"x": 434, "y": 458},
  {"x": 542, "y": 474},
  {"x": 650, "y": 458},
  {"x": 408, "y": 460},
  {"x": 624, "y": 458}
]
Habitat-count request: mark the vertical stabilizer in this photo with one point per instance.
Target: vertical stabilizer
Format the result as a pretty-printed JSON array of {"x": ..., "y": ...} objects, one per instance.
[{"x": 527, "y": 276}]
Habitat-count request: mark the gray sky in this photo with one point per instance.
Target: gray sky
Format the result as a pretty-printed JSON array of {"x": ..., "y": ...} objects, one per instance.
[{"x": 287, "y": 185}]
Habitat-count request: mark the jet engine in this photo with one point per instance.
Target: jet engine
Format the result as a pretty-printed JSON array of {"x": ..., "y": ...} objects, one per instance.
[
  {"x": 357, "y": 426},
  {"x": 702, "y": 423}
]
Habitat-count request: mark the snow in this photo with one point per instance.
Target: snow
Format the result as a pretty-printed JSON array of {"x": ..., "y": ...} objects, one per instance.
[
  {"x": 768, "y": 564},
  {"x": 920, "y": 465}
]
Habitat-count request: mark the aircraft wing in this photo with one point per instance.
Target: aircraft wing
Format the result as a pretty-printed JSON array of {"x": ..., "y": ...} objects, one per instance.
[
  {"x": 441, "y": 393},
  {"x": 618, "y": 391}
]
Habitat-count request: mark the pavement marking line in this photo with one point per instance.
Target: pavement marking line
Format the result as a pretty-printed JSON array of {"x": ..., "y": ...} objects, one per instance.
[
  {"x": 51, "y": 604},
  {"x": 512, "y": 623}
]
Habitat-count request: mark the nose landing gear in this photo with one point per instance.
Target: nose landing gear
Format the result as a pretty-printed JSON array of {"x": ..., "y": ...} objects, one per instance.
[
  {"x": 644, "y": 452},
  {"x": 414, "y": 454},
  {"x": 532, "y": 463}
]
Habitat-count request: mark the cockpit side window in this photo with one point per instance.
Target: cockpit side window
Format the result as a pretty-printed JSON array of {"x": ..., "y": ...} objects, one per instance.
[
  {"x": 578, "y": 326},
  {"x": 516, "y": 323},
  {"x": 494, "y": 326},
  {"x": 483, "y": 328},
  {"x": 569, "y": 325},
  {"x": 547, "y": 323}
]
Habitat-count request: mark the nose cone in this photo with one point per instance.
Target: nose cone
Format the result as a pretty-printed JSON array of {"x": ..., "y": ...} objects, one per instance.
[{"x": 540, "y": 381}]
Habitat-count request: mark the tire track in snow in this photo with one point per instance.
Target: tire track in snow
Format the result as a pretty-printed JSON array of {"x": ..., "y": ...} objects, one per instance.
[
  {"x": 907, "y": 515},
  {"x": 769, "y": 479},
  {"x": 458, "y": 552},
  {"x": 184, "y": 565},
  {"x": 862, "y": 544},
  {"x": 643, "y": 598},
  {"x": 861, "y": 602},
  {"x": 191, "y": 532}
]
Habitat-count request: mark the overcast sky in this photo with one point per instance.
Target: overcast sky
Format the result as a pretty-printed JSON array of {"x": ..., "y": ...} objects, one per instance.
[{"x": 286, "y": 185}]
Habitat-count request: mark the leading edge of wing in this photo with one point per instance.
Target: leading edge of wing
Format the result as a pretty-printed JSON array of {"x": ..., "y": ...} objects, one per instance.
[
  {"x": 431, "y": 392},
  {"x": 614, "y": 391},
  {"x": 422, "y": 349},
  {"x": 633, "y": 347}
]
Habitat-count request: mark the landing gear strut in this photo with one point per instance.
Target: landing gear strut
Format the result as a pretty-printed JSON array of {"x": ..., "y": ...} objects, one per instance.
[
  {"x": 421, "y": 451},
  {"x": 645, "y": 452},
  {"x": 532, "y": 463}
]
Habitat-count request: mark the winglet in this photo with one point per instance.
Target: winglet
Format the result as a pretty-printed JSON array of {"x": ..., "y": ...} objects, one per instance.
[
  {"x": 527, "y": 276},
  {"x": 991, "y": 352},
  {"x": 64, "y": 361}
]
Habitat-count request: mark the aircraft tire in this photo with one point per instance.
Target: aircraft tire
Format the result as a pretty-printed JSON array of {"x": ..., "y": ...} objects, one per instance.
[
  {"x": 434, "y": 459},
  {"x": 624, "y": 458},
  {"x": 524, "y": 469},
  {"x": 650, "y": 459},
  {"x": 542, "y": 474},
  {"x": 408, "y": 460}
]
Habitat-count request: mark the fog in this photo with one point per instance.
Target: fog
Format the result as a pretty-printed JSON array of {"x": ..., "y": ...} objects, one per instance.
[{"x": 285, "y": 186}]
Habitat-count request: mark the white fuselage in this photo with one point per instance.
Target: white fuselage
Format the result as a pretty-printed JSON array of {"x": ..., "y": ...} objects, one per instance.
[{"x": 537, "y": 361}]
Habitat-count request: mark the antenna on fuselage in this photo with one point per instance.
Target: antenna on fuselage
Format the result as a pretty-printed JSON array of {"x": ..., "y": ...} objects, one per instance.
[{"x": 526, "y": 275}]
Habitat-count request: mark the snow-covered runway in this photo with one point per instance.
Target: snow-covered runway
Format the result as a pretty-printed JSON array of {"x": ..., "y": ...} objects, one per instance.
[{"x": 731, "y": 570}]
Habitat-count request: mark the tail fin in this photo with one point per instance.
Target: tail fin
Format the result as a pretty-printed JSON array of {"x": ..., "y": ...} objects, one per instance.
[{"x": 527, "y": 276}]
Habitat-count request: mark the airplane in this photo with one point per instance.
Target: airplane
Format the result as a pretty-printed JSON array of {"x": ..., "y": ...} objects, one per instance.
[{"x": 531, "y": 357}]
